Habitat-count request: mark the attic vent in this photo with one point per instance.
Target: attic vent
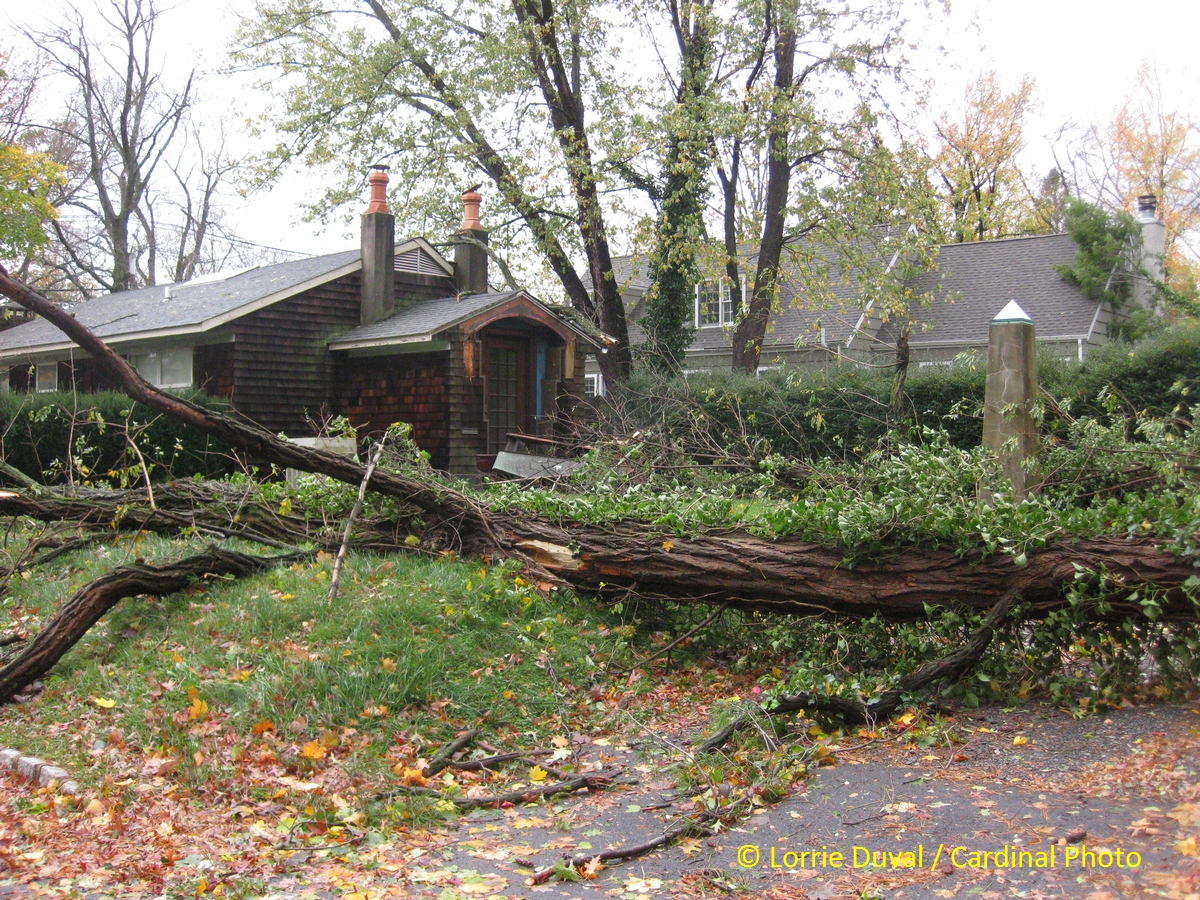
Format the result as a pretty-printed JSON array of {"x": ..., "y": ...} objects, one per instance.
[{"x": 418, "y": 262}]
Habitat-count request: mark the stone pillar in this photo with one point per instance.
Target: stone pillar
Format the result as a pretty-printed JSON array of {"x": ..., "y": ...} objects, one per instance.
[{"x": 1012, "y": 386}]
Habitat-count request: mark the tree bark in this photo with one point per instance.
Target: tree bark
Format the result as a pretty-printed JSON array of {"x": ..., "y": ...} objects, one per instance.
[{"x": 89, "y": 604}]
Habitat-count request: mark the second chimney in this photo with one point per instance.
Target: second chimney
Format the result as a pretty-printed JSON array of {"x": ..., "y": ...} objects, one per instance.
[
  {"x": 470, "y": 249},
  {"x": 1154, "y": 246},
  {"x": 378, "y": 253}
]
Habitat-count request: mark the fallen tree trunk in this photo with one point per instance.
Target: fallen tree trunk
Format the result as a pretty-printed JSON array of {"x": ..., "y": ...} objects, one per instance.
[
  {"x": 89, "y": 604},
  {"x": 803, "y": 578},
  {"x": 744, "y": 571}
]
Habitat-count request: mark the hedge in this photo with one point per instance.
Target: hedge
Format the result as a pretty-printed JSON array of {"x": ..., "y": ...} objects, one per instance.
[
  {"x": 841, "y": 410},
  {"x": 39, "y": 431}
]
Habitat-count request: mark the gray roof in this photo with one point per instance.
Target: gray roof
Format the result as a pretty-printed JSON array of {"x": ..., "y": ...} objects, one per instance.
[
  {"x": 194, "y": 305},
  {"x": 422, "y": 319},
  {"x": 425, "y": 318},
  {"x": 976, "y": 280},
  {"x": 972, "y": 282}
]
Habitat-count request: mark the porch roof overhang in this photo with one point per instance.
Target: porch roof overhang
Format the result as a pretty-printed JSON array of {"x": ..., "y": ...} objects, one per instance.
[{"x": 426, "y": 319}]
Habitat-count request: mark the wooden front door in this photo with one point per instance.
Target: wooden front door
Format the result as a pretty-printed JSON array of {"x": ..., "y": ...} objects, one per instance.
[{"x": 507, "y": 390}]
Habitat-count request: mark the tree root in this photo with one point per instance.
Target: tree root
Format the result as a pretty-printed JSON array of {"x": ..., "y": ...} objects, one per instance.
[
  {"x": 855, "y": 710},
  {"x": 89, "y": 604}
]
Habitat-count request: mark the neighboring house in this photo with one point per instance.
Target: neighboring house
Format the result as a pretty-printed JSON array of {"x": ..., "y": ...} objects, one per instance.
[
  {"x": 971, "y": 284},
  {"x": 392, "y": 332}
]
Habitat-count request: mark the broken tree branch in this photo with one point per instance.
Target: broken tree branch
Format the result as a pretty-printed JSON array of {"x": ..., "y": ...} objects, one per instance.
[
  {"x": 89, "y": 604},
  {"x": 747, "y": 572},
  {"x": 335, "y": 579},
  {"x": 445, "y": 755},
  {"x": 590, "y": 781}
]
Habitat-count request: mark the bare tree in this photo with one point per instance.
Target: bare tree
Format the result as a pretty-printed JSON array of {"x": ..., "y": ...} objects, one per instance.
[{"x": 141, "y": 202}]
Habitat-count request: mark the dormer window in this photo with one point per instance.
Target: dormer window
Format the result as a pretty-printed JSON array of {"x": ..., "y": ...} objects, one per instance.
[{"x": 714, "y": 303}]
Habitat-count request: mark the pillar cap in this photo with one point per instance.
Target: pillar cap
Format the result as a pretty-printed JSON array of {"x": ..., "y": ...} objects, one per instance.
[{"x": 1012, "y": 313}]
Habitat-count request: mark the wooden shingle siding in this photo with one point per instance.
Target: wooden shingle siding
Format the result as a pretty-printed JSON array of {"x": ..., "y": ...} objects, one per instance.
[
  {"x": 282, "y": 369},
  {"x": 373, "y": 392}
]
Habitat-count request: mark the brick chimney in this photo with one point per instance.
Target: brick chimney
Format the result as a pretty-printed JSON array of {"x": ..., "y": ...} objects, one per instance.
[
  {"x": 378, "y": 253},
  {"x": 470, "y": 255},
  {"x": 1154, "y": 247}
]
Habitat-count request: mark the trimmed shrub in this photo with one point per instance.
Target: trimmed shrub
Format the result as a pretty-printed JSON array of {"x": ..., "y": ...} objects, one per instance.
[
  {"x": 842, "y": 410},
  {"x": 90, "y": 435}
]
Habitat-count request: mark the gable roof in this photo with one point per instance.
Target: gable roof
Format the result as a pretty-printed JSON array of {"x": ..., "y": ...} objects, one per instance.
[
  {"x": 198, "y": 305},
  {"x": 972, "y": 282},
  {"x": 976, "y": 280},
  {"x": 419, "y": 322}
]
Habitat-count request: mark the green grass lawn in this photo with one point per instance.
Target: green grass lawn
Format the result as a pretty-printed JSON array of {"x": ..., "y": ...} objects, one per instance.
[{"x": 227, "y": 674}]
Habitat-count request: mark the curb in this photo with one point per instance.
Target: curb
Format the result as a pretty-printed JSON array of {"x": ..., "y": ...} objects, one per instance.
[{"x": 40, "y": 772}]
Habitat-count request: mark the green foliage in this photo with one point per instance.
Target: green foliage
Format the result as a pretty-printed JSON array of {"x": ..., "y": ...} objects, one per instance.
[
  {"x": 1108, "y": 256},
  {"x": 26, "y": 179},
  {"x": 88, "y": 438}
]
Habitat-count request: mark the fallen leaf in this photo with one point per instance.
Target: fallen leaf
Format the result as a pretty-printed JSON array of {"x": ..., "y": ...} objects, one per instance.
[
  {"x": 691, "y": 845},
  {"x": 313, "y": 750},
  {"x": 104, "y": 702},
  {"x": 668, "y": 546},
  {"x": 389, "y": 664},
  {"x": 591, "y": 868},
  {"x": 538, "y": 774},
  {"x": 1188, "y": 847},
  {"x": 198, "y": 709},
  {"x": 1020, "y": 740}
]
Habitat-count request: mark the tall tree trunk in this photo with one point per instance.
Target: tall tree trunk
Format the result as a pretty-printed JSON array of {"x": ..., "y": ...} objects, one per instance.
[{"x": 752, "y": 329}]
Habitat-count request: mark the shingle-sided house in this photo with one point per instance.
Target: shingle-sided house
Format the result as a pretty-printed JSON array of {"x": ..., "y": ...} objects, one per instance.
[
  {"x": 970, "y": 285},
  {"x": 390, "y": 332}
]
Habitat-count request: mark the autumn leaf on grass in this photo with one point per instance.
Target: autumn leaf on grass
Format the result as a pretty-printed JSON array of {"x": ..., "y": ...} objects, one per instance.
[
  {"x": 538, "y": 774},
  {"x": 560, "y": 742},
  {"x": 411, "y": 777},
  {"x": 198, "y": 709},
  {"x": 690, "y": 845},
  {"x": 312, "y": 750},
  {"x": 263, "y": 727},
  {"x": 389, "y": 664},
  {"x": 104, "y": 702}
]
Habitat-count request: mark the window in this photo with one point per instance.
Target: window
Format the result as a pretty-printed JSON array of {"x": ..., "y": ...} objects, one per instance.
[
  {"x": 165, "y": 368},
  {"x": 593, "y": 385},
  {"x": 929, "y": 363},
  {"x": 714, "y": 303},
  {"x": 46, "y": 377}
]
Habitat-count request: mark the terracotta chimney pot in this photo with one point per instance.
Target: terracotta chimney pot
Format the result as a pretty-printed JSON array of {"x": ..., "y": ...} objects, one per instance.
[
  {"x": 471, "y": 200},
  {"x": 378, "y": 180}
]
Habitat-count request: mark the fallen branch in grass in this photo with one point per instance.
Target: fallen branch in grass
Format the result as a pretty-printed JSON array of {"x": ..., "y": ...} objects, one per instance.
[
  {"x": 444, "y": 756},
  {"x": 590, "y": 781},
  {"x": 488, "y": 762},
  {"x": 335, "y": 579},
  {"x": 89, "y": 604}
]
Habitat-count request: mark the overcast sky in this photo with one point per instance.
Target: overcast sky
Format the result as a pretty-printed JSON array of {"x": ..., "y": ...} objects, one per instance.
[{"x": 1083, "y": 55}]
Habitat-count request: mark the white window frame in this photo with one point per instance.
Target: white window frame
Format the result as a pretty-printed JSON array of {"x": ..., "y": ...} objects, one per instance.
[
  {"x": 726, "y": 314},
  {"x": 43, "y": 383},
  {"x": 930, "y": 363},
  {"x": 593, "y": 385},
  {"x": 150, "y": 366}
]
